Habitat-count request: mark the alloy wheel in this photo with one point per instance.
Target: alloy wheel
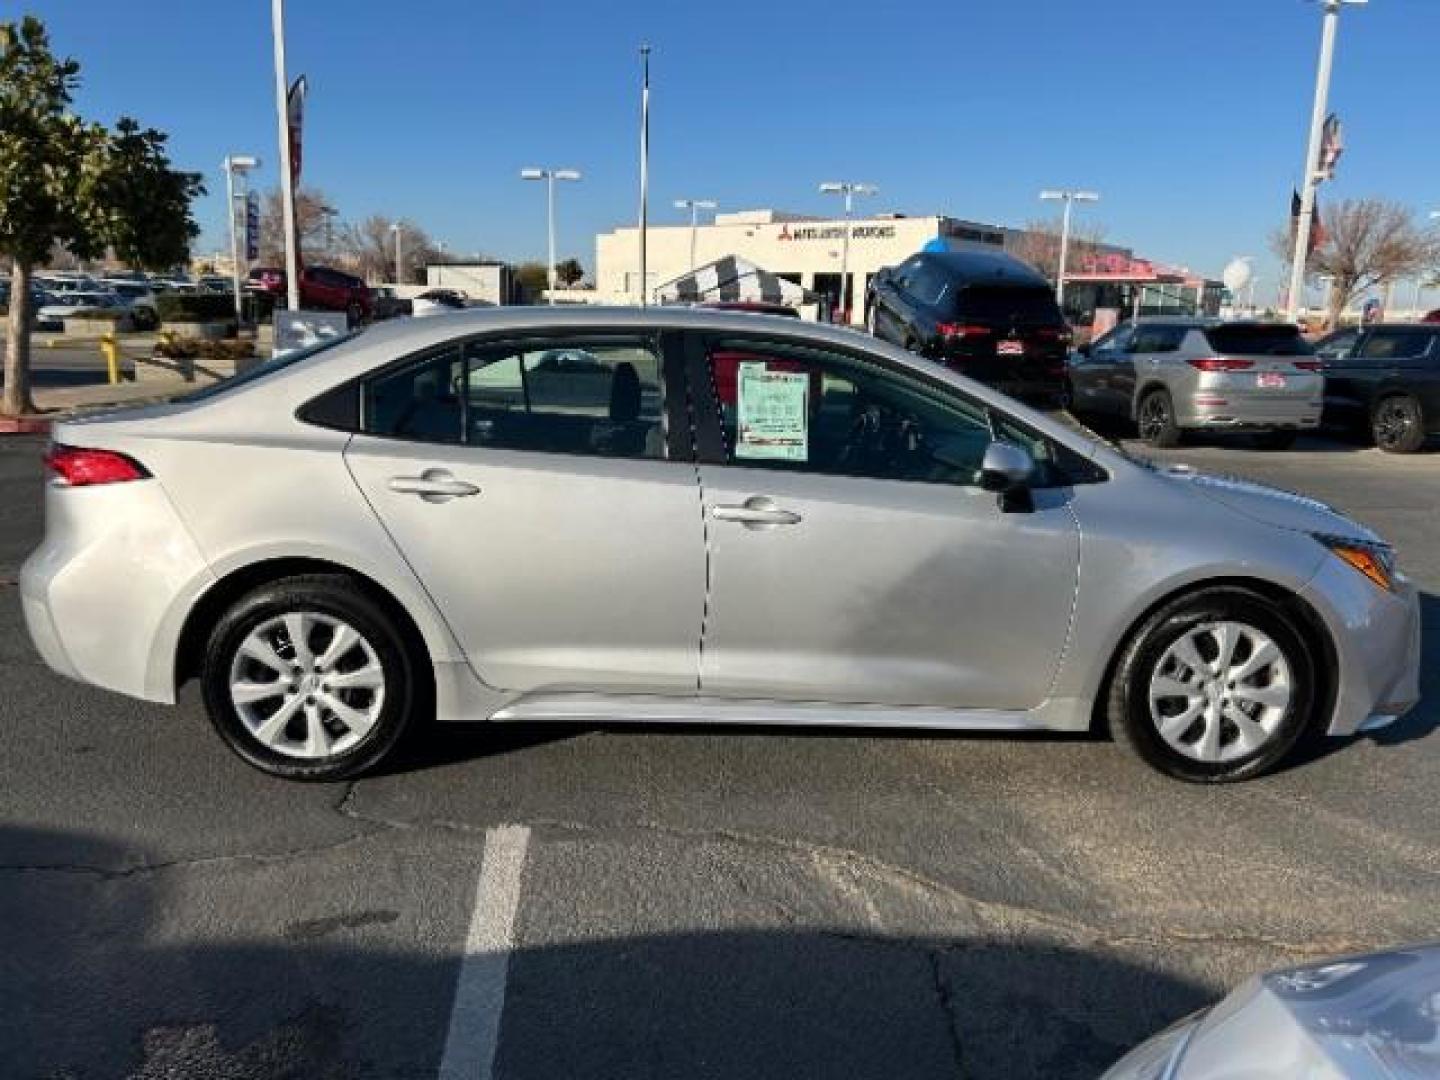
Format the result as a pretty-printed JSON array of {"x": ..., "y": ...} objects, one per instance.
[
  {"x": 1393, "y": 421},
  {"x": 1154, "y": 416},
  {"x": 307, "y": 685},
  {"x": 1220, "y": 692}
]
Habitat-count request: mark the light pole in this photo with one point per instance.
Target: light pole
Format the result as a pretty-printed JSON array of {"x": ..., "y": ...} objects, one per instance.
[
  {"x": 398, "y": 229},
  {"x": 241, "y": 164},
  {"x": 694, "y": 206},
  {"x": 1312, "y": 174},
  {"x": 1069, "y": 198},
  {"x": 848, "y": 189},
  {"x": 550, "y": 176}
]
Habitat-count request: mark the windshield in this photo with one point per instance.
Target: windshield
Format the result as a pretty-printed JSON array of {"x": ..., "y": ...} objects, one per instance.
[{"x": 261, "y": 371}]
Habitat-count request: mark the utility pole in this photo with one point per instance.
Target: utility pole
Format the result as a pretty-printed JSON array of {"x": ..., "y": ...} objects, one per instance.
[
  {"x": 848, "y": 189},
  {"x": 287, "y": 178},
  {"x": 644, "y": 171},
  {"x": 694, "y": 206},
  {"x": 1069, "y": 198},
  {"x": 550, "y": 176}
]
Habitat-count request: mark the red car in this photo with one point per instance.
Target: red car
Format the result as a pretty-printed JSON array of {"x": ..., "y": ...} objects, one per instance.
[
  {"x": 1432, "y": 316},
  {"x": 321, "y": 289}
]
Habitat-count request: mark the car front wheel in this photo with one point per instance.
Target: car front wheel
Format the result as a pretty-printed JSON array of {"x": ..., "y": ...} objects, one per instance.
[
  {"x": 307, "y": 679},
  {"x": 1214, "y": 687}
]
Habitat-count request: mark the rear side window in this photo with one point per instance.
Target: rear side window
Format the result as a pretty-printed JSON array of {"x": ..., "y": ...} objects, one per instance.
[
  {"x": 1238, "y": 339},
  {"x": 1384, "y": 344},
  {"x": 600, "y": 398},
  {"x": 1023, "y": 304},
  {"x": 1158, "y": 339},
  {"x": 928, "y": 284}
]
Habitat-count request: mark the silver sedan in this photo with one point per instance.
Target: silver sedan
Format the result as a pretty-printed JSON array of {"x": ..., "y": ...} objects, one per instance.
[{"x": 690, "y": 516}]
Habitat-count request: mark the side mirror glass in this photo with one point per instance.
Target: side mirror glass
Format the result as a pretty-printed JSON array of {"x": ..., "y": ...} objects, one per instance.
[{"x": 1006, "y": 467}]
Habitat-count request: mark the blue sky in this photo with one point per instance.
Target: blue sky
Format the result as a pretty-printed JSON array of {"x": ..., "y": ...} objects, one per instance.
[{"x": 1189, "y": 117}]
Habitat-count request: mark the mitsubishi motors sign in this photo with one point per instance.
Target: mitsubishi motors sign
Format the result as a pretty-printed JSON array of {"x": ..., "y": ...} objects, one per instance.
[{"x": 835, "y": 232}]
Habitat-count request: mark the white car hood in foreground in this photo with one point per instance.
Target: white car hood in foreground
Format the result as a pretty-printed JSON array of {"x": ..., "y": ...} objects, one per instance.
[
  {"x": 1273, "y": 506},
  {"x": 1370, "y": 1017}
]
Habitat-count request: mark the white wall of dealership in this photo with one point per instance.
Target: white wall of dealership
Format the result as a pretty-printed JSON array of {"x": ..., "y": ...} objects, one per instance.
[{"x": 786, "y": 244}]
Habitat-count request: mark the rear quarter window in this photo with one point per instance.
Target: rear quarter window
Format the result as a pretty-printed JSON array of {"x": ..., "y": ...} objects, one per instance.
[{"x": 1237, "y": 340}]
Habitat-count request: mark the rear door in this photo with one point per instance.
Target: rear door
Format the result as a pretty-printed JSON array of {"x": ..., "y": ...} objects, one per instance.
[
  {"x": 1152, "y": 345},
  {"x": 1113, "y": 368},
  {"x": 530, "y": 483}
]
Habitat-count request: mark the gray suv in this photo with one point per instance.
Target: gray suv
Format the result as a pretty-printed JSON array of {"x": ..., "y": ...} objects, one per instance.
[{"x": 1172, "y": 375}]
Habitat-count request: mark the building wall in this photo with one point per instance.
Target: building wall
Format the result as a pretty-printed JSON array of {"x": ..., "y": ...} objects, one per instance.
[
  {"x": 806, "y": 250},
  {"x": 489, "y": 282}
]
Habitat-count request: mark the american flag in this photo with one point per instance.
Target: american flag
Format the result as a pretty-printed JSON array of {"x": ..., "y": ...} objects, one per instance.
[{"x": 1332, "y": 145}]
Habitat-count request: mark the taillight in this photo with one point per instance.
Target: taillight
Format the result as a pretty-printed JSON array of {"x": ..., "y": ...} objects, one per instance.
[
  {"x": 77, "y": 466},
  {"x": 1307, "y": 365},
  {"x": 962, "y": 330},
  {"x": 1220, "y": 363}
]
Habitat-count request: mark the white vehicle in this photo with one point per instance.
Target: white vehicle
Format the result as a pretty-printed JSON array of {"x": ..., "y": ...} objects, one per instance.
[
  {"x": 139, "y": 297},
  {"x": 65, "y": 283},
  {"x": 64, "y": 305}
]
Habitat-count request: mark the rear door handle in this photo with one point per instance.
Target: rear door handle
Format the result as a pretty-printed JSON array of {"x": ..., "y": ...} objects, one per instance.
[
  {"x": 433, "y": 485},
  {"x": 756, "y": 512}
]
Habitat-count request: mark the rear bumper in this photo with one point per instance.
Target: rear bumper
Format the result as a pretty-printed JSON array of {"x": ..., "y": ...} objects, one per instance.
[
  {"x": 1376, "y": 635},
  {"x": 1212, "y": 410},
  {"x": 106, "y": 593}
]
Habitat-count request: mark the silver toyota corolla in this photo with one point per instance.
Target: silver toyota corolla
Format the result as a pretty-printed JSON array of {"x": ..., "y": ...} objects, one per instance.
[{"x": 673, "y": 515}]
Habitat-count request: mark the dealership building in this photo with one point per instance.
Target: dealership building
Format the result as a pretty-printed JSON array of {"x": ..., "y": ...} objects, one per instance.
[{"x": 798, "y": 248}]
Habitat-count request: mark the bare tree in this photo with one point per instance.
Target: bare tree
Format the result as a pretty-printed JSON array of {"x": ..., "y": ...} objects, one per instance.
[
  {"x": 1367, "y": 243},
  {"x": 1039, "y": 244},
  {"x": 312, "y": 210},
  {"x": 368, "y": 249}
]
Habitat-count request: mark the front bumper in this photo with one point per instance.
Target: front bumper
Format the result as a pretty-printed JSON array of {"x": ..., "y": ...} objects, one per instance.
[{"x": 1376, "y": 635}]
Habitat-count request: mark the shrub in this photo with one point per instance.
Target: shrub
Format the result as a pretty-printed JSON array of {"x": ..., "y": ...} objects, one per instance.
[
  {"x": 182, "y": 348},
  {"x": 180, "y": 307}
]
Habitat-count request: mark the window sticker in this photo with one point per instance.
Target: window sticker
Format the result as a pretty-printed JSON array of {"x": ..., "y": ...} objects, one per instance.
[{"x": 773, "y": 414}]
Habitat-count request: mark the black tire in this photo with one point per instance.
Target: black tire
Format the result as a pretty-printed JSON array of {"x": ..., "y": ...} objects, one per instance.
[
  {"x": 1127, "y": 704},
  {"x": 328, "y": 595},
  {"x": 1275, "y": 440},
  {"x": 353, "y": 314},
  {"x": 1397, "y": 424},
  {"x": 1155, "y": 419}
]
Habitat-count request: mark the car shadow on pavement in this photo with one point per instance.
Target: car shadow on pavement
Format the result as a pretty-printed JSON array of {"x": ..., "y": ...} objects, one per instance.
[{"x": 115, "y": 968}]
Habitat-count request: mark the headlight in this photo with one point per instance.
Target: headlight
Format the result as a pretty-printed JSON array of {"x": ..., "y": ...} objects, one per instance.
[
  {"x": 1158, "y": 1057},
  {"x": 1375, "y": 561}
]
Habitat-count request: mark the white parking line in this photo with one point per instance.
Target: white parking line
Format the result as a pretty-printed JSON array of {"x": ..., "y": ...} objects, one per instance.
[{"x": 480, "y": 987}]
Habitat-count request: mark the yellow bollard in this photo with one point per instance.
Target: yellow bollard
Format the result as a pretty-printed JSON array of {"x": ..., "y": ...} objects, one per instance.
[{"x": 110, "y": 349}]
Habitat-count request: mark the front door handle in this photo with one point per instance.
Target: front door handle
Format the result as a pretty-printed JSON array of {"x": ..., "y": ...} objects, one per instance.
[
  {"x": 433, "y": 485},
  {"x": 756, "y": 512}
]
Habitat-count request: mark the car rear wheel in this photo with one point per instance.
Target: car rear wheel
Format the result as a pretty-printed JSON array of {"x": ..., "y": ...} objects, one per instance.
[
  {"x": 1156, "y": 419},
  {"x": 1397, "y": 425},
  {"x": 307, "y": 679},
  {"x": 1275, "y": 440},
  {"x": 1214, "y": 687}
]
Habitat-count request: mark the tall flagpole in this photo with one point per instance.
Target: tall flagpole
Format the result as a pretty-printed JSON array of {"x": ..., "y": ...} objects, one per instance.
[
  {"x": 287, "y": 180},
  {"x": 644, "y": 170}
]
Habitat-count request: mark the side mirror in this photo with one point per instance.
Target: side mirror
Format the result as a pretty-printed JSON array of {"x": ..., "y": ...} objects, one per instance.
[{"x": 1006, "y": 470}]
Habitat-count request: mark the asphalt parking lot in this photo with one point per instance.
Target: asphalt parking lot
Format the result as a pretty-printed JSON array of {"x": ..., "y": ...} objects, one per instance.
[{"x": 682, "y": 903}]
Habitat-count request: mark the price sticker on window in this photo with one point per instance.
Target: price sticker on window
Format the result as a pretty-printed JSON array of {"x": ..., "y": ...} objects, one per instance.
[{"x": 773, "y": 415}]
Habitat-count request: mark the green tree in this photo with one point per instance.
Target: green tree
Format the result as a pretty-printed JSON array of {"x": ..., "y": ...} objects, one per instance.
[
  {"x": 533, "y": 278},
  {"x": 73, "y": 183},
  {"x": 569, "y": 272}
]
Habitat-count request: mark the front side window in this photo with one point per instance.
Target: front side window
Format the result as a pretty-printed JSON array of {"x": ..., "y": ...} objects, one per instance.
[
  {"x": 805, "y": 410},
  {"x": 601, "y": 397}
]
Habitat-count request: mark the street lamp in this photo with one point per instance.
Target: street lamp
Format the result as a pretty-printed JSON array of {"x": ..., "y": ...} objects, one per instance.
[
  {"x": 236, "y": 164},
  {"x": 550, "y": 176},
  {"x": 1069, "y": 198},
  {"x": 694, "y": 206},
  {"x": 397, "y": 228},
  {"x": 1312, "y": 175},
  {"x": 848, "y": 189}
]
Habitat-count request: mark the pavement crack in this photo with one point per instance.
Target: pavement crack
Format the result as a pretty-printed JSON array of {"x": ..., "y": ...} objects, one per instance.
[{"x": 947, "y": 1011}]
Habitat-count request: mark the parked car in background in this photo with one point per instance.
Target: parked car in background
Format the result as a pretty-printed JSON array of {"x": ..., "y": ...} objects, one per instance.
[
  {"x": 216, "y": 283},
  {"x": 1175, "y": 375},
  {"x": 433, "y": 301},
  {"x": 1383, "y": 381},
  {"x": 983, "y": 314},
  {"x": 321, "y": 289},
  {"x": 1365, "y": 1017},
  {"x": 56, "y": 283},
  {"x": 1432, "y": 316},
  {"x": 65, "y": 305},
  {"x": 637, "y": 515},
  {"x": 139, "y": 297},
  {"x": 386, "y": 303}
]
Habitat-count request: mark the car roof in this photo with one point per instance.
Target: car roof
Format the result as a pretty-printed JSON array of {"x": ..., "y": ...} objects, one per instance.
[{"x": 986, "y": 266}]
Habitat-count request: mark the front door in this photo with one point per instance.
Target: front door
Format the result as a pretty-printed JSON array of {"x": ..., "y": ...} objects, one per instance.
[
  {"x": 530, "y": 485},
  {"x": 852, "y": 556}
]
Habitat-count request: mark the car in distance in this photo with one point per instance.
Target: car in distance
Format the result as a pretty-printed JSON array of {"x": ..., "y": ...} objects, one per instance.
[
  {"x": 678, "y": 515},
  {"x": 65, "y": 305},
  {"x": 1383, "y": 380},
  {"x": 434, "y": 301},
  {"x": 984, "y": 314},
  {"x": 321, "y": 289},
  {"x": 138, "y": 297},
  {"x": 1175, "y": 375},
  {"x": 1363, "y": 1017}
]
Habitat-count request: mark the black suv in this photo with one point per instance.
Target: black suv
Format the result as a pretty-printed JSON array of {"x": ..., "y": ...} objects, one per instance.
[
  {"x": 1384, "y": 380},
  {"x": 984, "y": 314}
]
